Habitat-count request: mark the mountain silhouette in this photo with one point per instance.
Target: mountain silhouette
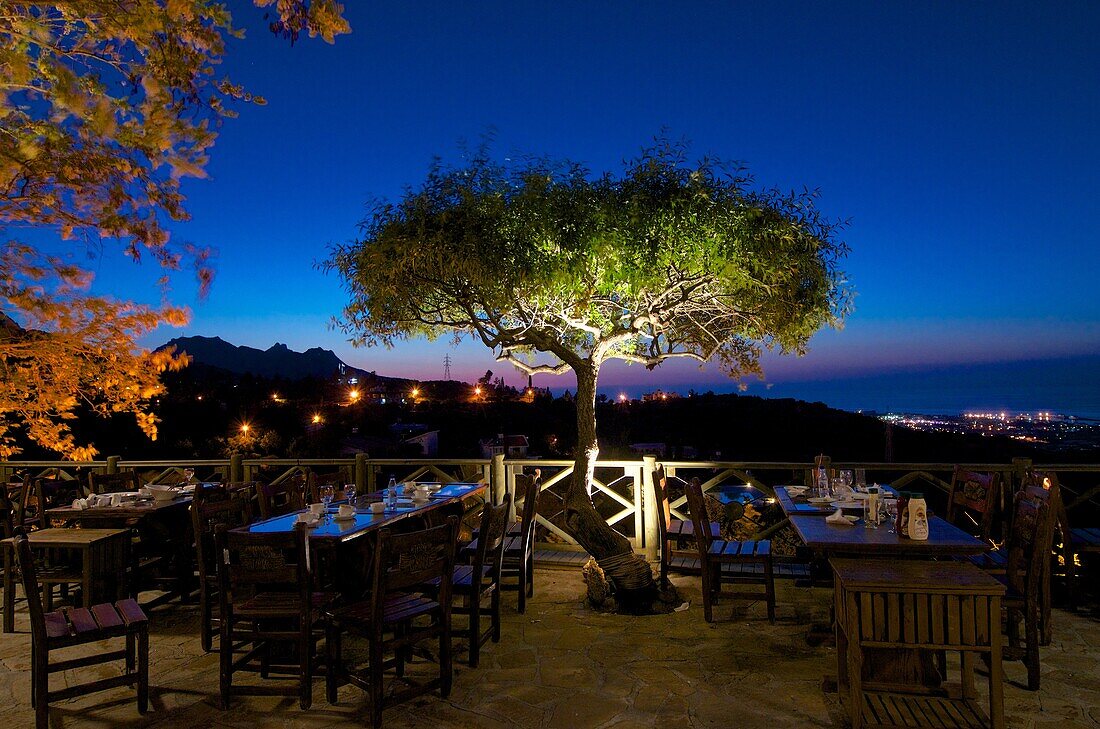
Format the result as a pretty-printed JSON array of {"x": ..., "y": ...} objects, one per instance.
[{"x": 276, "y": 361}]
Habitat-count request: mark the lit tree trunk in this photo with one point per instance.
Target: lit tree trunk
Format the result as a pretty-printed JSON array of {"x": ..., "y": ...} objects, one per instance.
[{"x": 629, "y": 573}]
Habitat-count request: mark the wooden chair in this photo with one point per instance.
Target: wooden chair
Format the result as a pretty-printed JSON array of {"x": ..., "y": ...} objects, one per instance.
[
  {"x": 110, "y": 483},
  {"x": 726, "y": 561},
  {"x": 60, "y": 629},
  {"x": 1070, "y": 542},
  {"x": 675, "y": 532},
  {"x": 973, "y": 497},
  {"x": 1028, "y": 548},
  {"x": 212, "y": 506},
  {"x": 54, "y": 492},
  {"x": 399, "y": 614},
  {"x": 518, "y": 561},
  {"x": 479, "y": 581},
  {"x": 285, "y": 497},
  {"x": 265, "y": 593}
]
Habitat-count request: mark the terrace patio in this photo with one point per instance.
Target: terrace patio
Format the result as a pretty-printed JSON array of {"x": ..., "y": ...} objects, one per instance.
[{"x": 564, "y": 665}]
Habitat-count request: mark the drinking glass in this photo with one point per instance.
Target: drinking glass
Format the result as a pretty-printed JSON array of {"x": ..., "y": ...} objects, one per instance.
[
  {"x": 189, "y": 475},
  {"x": 861, "y": 478},
  {"x": 349, "y": 493},
  {"x": 326, "y": 496},
  {"x": 891, "y": 507}
]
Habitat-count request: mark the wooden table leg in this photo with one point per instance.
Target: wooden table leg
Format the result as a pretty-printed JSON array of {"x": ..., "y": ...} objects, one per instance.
[
  {"x": 9, "y": 590},
  {"x": 996, "y": 669},
  {"x": 86, "y": 599}
]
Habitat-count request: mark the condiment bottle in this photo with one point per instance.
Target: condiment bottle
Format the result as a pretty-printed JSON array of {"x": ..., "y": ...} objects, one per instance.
[
  {"x": 391, "y": 494},
  {"x": 870, "y": 518},
  {"x": 902, "y": 523},
  {"x": 918, "y": 517}
]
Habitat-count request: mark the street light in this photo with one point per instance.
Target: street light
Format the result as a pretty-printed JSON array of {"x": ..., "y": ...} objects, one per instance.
[
  {"x": 415, "y": 392},
  {"x": 245, "y": 427},
  {"x": 316, "y": 419},
  {"x": 353, "y": 394}
]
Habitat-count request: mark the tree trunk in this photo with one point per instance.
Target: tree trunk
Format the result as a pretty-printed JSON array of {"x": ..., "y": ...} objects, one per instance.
[{"x": 629, "y": 573}]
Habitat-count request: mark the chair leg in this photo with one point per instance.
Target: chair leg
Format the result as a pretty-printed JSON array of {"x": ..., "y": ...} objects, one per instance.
[
  {"x": 225, "y": 655},
  {"x": 530, "y": 574},
  {"x": 206, "y": 616},
  {"x": 131, "y": 640},
  {"x": 521, "y": 586},
  {"x": 495, "y": 614},
  {"x": 143, "y": 669},
  {"x": 446, "y": 667},
  {"x": 41, "y": 689},
  {"x": 475, "y": 630},
  {"x": 376, "y": 683},
  {"x": 769, "y": 586},
  {"x": 707, "y": 610},
  {"x": 34, "y": 674},
  {"x": 305, "y": 666},
  {"x": 1031, "y": 648},
  {"x": 332, "y": 662}
]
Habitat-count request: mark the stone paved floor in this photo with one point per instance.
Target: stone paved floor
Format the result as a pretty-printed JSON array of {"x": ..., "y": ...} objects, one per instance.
[{"x": 561, "y": 665}]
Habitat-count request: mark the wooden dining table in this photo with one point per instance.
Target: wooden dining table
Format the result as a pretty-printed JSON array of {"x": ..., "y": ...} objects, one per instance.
[
  {"x": 343, "y": 545},
  {"x": 829, "y": 540},
  {"x": 102, "y": 558},
  {"x": 896, "y": 666},
  {"x": 164, "y": 525}
]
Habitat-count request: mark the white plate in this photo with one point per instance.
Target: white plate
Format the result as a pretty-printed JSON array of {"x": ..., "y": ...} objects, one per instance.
[
  {"x": 820, "y": 500},
  {"x": 848, "y": 504}
]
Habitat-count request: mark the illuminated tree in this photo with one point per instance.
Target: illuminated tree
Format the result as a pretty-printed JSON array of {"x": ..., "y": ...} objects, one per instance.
[
  {"x": 104, "y": 107},
  {"x": 557, "y": 270}
]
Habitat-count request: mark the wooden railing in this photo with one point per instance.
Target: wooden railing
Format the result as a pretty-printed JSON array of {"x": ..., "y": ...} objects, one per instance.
[{"x": 622, "y": 489}]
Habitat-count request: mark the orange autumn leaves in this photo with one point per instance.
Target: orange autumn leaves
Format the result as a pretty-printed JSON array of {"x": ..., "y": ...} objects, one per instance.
[{"x": 104, "y": 108}]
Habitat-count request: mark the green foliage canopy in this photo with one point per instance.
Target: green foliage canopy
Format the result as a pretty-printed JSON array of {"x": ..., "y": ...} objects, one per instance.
[{"x": 669, "y": 259}]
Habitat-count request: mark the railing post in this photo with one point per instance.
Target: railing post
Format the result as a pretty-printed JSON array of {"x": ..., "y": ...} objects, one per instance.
[
  {"x": 649, "y": 507},
  {"x": 510, "y": 488},
  {"x": 1020, "y": 467},
  {"x": 112, "y": 464},
  {"x": 498, "y": 483},
  {"x": 372, "y": 477},
  {"x": 361, "y": 474},
  {"x": 236, "y": 470}
]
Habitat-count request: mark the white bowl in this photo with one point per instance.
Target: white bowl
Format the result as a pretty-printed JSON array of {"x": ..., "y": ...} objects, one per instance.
[{"x": 161, "y": 492}]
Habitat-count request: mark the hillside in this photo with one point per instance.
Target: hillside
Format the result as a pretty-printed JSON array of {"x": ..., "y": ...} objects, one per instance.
[{"x": 276, "y": 361}]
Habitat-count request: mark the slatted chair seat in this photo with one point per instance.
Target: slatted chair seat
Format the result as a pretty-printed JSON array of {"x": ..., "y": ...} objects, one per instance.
[
  {"x": 715, "y": 554},
  {"x": 60, "y": 629},
  {"x": 676, "y": 536},
  {"x": 397, "y": 608},
  {"x": 685, "y": 530},
  {"x": 281, "y": 604},
  {"x": 742, "y": 551}
]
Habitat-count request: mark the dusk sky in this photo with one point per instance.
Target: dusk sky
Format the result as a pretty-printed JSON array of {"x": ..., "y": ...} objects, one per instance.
[{"x": 958, "y": 139}]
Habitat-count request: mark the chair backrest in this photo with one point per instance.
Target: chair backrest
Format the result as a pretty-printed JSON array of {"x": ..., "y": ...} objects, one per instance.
[
  {"x": 490, "y": 540},
  {"x": 55, "y": 492},
  {"x": 974, "y": 495},
  {"x": 110, "y": 483},
  {"x": 530, "y": 485},
  {"x": 404, "y": 561},
  {"x": 660, "y": 503},
  {"x": 24, "y": 562},
  {"x": 699, "y": 518},
  {"x": 251, "y": 563},
  {"x": 213, "y": 506},
  {"x": 7, "y": 511},
  {"x": 284, "y": 497},
  {"x": 336, "y": 479},
  {"x": 1029, "y": 543}
]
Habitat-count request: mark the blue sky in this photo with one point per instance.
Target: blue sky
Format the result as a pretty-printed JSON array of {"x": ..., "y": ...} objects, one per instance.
[{"x": 958, "y": 139}]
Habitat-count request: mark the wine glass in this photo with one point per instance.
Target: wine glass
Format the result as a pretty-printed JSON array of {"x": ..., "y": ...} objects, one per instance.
[
  {"x": 349, "y": 493},
  {"x": 327, "y": 493}
]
